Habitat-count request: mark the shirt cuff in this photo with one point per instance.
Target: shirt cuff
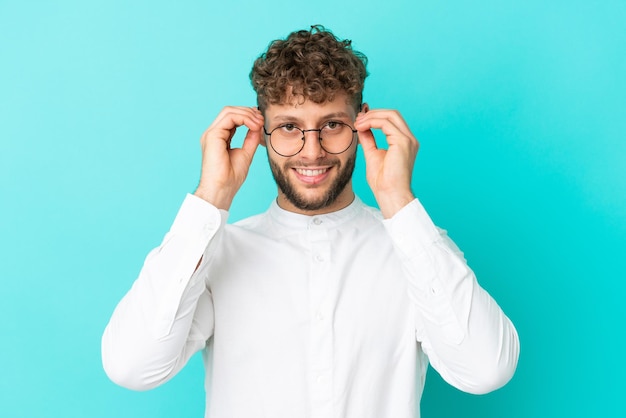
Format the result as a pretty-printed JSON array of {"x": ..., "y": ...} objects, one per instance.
[
  {"x": 196, "y": 214},
  {"x": 411, "y": 230}
]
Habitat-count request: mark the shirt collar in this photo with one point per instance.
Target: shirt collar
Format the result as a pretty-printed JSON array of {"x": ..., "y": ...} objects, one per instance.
[{"x": 296, "y": 221}]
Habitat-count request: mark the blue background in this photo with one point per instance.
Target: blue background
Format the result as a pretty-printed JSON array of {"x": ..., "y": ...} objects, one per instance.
[{"x": 519, "y": 106}]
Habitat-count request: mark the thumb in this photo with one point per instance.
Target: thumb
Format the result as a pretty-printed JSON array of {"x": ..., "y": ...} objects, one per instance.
[
  {"x": 367, "y": 141},
  {"x": 251, "y": 142}
]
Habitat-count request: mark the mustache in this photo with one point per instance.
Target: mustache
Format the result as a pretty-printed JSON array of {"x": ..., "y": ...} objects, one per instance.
[{"x": 326, "y": 161}]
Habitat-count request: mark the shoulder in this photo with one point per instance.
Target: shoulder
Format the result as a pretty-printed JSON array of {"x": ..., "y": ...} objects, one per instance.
[
  {"x": 367, "y": 212},
  {"x": 371, "y": 213},
  {"x": 258, "y": 223},
  {"x": 250, "y": 221},
  {"x": 366, "y": 218}
]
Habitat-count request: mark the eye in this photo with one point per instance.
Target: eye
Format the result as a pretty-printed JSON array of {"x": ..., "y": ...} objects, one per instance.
[
  {"x": 289, "y": 128},
  {"x": 333, "y": 125}
]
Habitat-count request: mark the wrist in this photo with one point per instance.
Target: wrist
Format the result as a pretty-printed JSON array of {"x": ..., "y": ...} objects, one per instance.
[
  {"x": 220, "y": 198},
  {"x": 390, "y": 204}
]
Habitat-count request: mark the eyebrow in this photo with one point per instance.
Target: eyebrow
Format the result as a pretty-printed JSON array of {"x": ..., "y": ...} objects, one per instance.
[{"x": 337, "y": 115}]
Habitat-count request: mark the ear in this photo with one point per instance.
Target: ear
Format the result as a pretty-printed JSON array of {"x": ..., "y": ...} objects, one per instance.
[
  {"x": 263, "y": 136},
  {"x": 365, "y": 108}
]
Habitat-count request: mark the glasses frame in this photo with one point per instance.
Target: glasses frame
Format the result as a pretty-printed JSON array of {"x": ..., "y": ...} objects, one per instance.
[{"x": 304, "y": 131}]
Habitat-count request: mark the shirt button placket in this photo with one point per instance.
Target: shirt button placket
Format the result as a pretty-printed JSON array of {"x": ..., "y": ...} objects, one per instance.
[{"x": 321, "y": 324}]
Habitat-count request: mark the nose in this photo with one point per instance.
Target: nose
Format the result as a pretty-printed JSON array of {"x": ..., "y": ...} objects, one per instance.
[{"x": 312, "y": 147}]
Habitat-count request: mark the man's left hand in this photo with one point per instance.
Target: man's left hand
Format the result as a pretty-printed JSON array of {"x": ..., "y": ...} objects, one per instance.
[{"x": 388, "y": 171}]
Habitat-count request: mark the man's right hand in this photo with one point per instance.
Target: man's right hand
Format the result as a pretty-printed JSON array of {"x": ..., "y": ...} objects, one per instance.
[{"x": 224, "y": 169}]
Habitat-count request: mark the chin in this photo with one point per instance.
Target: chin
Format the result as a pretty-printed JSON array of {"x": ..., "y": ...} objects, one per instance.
[{"x": 313, "y": 197}]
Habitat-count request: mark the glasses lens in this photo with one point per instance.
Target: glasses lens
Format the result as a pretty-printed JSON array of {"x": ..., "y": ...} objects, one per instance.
[
  {"x": 287, "y": 140},
  {"x": 336, "y": 137}
]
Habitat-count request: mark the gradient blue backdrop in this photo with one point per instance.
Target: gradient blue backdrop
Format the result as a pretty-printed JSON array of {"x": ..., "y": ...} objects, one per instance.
[{"x": 520, "y": 108}]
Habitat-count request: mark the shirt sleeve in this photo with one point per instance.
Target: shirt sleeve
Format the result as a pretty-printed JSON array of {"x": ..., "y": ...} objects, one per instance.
[
  {"x": 466, "y": 336},
  {"x": 167, "y": 315}
]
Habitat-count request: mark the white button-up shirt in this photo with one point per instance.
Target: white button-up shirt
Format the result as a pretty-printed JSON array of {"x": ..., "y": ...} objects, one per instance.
[{"x": 327, "y": 316}]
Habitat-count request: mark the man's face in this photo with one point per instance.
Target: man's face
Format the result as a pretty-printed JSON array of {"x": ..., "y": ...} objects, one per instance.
[{"x": 312, "y": 181}]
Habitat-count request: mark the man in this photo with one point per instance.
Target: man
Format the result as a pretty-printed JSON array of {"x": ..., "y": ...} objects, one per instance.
[{"x": 321, "y": 306}]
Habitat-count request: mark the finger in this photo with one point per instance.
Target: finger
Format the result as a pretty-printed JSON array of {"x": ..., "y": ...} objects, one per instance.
[
  {"x": 382, "y": 122},
  {"x": 225, "y": 125},
  {"x": 233, "y": 117},
  {"x": 391, "y": 114},
  {"x": 231, "y": 135},
  {"x": 367, "y": 141},
  {"x": 389, "y": 121},
  {"x": 254, "y": 136},
  {"x": 251, "y": 143},
  {"x": 394, "y": 136},
  {"x": 393, "y": 126}
]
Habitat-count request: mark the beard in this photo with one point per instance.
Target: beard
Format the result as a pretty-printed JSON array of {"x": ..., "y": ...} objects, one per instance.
[{"x": 321, "y": 202}]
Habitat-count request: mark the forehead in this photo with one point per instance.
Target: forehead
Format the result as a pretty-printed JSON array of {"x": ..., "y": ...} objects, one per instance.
[{"x": 310, "y": 111}]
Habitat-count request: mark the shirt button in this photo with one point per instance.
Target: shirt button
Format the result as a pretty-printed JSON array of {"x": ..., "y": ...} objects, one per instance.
[
  {"x": 319, "y": 258},
  {"x": 317, "y": 221},
  {"x": 319, "y": 316}
]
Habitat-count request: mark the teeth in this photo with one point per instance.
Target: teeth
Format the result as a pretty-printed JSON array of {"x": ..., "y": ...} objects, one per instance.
[{"x": 311, "y": 173}]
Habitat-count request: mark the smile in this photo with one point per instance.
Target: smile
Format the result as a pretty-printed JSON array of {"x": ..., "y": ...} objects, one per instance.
[{"x": 311, "y": 173}]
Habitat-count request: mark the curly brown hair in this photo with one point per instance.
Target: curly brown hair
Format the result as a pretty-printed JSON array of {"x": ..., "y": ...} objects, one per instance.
[{"x": 309, "y": 65}]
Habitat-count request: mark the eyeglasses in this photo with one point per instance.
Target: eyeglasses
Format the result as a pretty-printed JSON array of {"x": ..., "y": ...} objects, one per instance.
[{"x": 287, "y": 139}]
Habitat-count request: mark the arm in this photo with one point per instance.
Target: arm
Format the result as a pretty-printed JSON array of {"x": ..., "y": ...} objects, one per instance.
[
  {"x": 467, "y": 337},
  {"x": 168, "y": 313},
  {"x": 465, "y": 334}
]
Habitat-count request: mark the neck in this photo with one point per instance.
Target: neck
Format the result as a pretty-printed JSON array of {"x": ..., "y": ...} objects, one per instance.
[{"x": 343, "y": 200}]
